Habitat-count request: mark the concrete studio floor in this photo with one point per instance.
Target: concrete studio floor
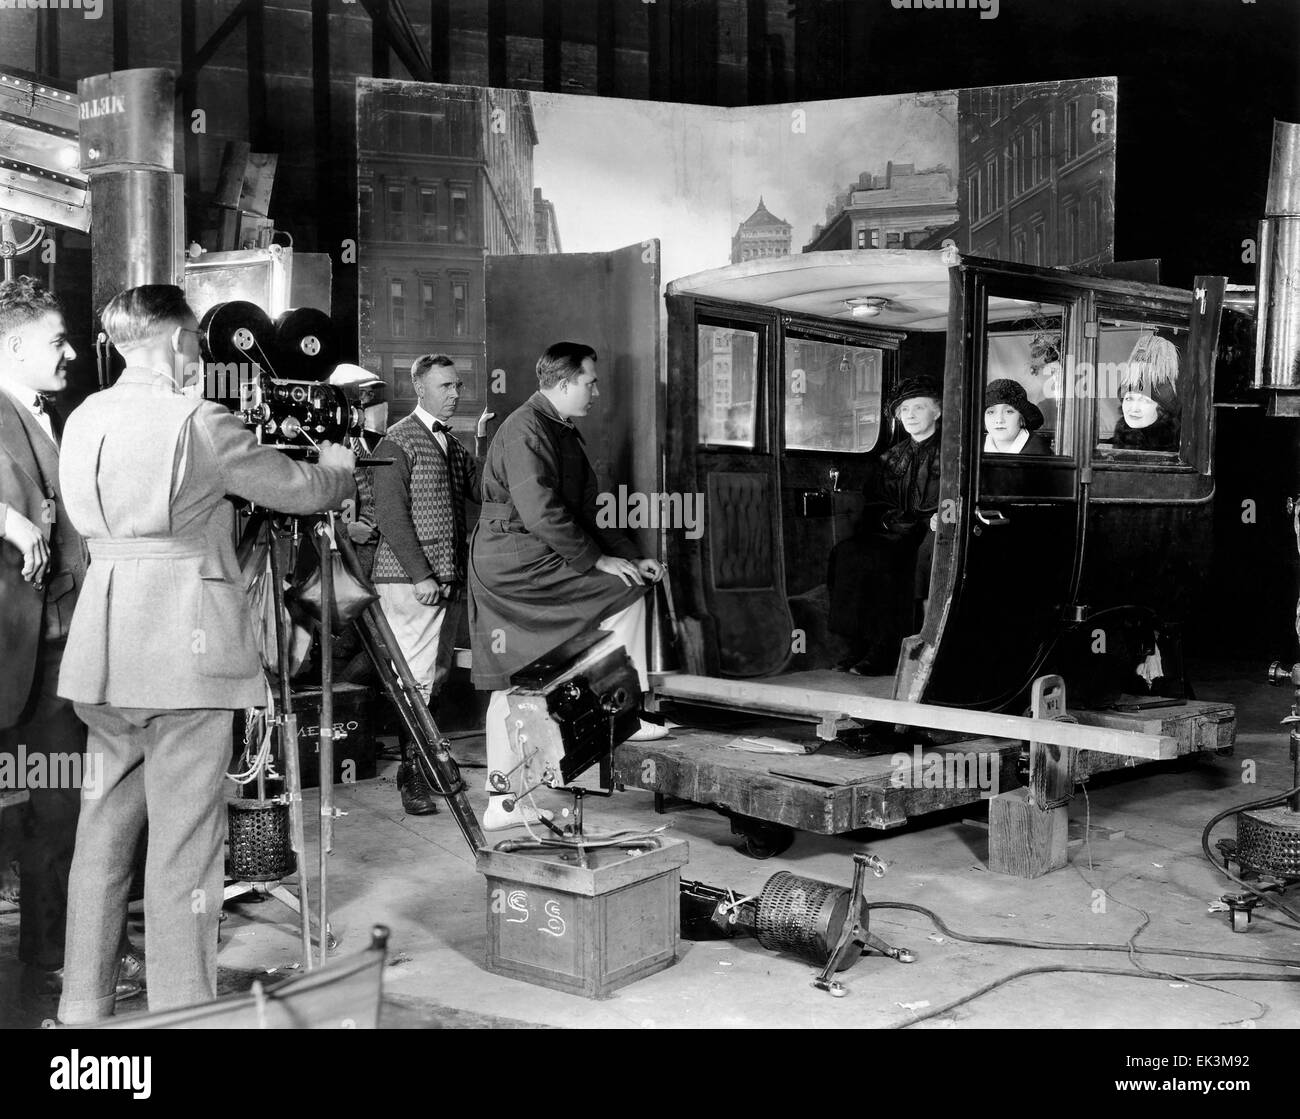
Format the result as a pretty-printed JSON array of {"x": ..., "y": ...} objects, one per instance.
[{"x": 1142, "y": 860}]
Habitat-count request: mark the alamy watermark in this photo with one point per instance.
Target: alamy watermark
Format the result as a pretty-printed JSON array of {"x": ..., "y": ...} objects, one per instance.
[
  {"x": 632, "y": 509},
  {"x": 946, "y": 769},
  {"x": 23, "y": 770},
  {"x": 988, "y": 9},
  {"x": 1082, "y": 380},
  {"x": 89, "y": 9}
]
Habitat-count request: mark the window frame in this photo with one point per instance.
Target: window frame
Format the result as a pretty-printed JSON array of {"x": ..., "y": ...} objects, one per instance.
[
  {"x": 397, "y": 299},
  {"x": 1190, "y": 448},
  {"x": 798, "y": 332},
  {"x": 724, "y": 320},
  {"x": 459, "y": 307},
  {"x": 812, "y": 329}
]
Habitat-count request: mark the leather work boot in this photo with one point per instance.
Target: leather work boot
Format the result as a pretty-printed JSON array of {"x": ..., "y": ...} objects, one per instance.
[
  {"x": 131, "y": 969},
  {"x": 417, "y": 797},
  {"x": 130, "y": 978}
]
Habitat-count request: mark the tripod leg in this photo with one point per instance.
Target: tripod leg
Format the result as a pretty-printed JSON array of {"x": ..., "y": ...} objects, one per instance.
[
  {"x": 289, "y": 747},
  {"x": 851, "y": 936},
  {"x": 324, "y": 536},
  {"x": 427, "y": 744}
]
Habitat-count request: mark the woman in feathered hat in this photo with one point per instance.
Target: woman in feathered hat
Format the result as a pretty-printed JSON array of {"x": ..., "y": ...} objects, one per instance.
[
  {"x": 1011, "y": 421},
  {"x": 1151, "y": 411},
  {"x": 876, "y": 576}
]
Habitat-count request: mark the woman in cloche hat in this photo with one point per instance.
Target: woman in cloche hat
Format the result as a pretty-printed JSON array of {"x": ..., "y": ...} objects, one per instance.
[{"x": 1011, "y": 421}]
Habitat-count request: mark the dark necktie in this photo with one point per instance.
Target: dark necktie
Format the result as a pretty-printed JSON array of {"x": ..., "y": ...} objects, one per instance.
[{"x": 438, "y": 425}]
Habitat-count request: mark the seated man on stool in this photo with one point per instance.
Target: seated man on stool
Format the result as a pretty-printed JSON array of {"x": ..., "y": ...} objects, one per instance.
[
  {"x": 420, "y": 565},
  {"x": 541, "y": 570}
]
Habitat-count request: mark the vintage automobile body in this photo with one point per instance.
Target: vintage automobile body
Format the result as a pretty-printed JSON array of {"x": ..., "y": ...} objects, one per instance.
[
  {"x": 1025, "y": 545},
  {"x": 1085, "y": 562}
]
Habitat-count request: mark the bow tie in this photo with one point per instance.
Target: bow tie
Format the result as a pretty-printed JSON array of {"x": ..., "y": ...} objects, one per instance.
[
  {"x": 41, "y": 405},
  {"x": 438, "y": 425}
]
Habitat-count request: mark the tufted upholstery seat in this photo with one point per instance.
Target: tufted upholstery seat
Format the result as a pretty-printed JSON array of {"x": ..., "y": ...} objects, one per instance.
[{"x": 739, "y": 514}]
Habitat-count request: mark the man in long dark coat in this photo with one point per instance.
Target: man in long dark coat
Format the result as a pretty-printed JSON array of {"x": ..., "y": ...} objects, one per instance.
[{"x": 541, "y": 569}]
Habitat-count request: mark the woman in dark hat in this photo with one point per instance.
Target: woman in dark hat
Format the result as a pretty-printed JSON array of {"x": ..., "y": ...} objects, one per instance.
[
  {"x": 1151, "y": 412},
  {"x": 1011, "y": 421},
  {"x": 877, "y": 575}
]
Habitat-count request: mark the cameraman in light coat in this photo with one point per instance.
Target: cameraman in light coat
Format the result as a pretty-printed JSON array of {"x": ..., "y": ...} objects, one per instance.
[{"x": 161, "y": 650}]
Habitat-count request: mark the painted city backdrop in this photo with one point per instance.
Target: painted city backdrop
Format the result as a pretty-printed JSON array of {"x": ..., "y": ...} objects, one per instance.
[{"x": 450, "y": 175}]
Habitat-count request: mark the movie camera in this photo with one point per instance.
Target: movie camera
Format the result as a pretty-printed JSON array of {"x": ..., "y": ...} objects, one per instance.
[{"x": 291, "y": 390}]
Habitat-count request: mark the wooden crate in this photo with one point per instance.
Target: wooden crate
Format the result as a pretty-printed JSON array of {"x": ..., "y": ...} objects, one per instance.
[
  {"x": 356, "y": 754},
  {"x": 589, "y": 930}
]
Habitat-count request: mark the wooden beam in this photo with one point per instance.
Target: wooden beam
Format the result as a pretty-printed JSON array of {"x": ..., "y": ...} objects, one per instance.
[
  {"x": 742, "y": 694},
  {"x": 756, "y": 50},
  {"x": 322, "y": 105},
  {"x": 606, "y": 24},
  {"x": 189, "y": 90},
  {"x": 203, "y": 55},
  {"x": 391, "y": 30},
  {"x": 552, "y": 45},
  {"x": 121, "y": 35},
  {"x": 47, "y": 43},
  {"x": 1024, "y": 841},
  {"x": 379, "y": 37},
  {"x": 255, "y": 55},
  {"x": 407, "y": 44},
  {"x": 498, "y": 60},
  {"x": 656, "y": 30},
  {"x": 440, "y": 40}
]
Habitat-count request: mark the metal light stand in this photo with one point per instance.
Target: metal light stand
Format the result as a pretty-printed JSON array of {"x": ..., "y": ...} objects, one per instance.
[
  {"x": 286, "y": 726},
  {"x": 1267, "y": 846},
  {"x": 431, "y": 749},
  {"x": 325, "y": 539}
]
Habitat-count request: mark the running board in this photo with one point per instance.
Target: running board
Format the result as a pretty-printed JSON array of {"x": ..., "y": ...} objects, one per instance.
[{"x": 804, "y": 703}]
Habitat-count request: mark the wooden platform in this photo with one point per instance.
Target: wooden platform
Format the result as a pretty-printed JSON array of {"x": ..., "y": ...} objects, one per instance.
[
  {"x": 836, "y": 789},
  {"x": 830, "y": 792},
  {"x": 1194, "y": 725}
]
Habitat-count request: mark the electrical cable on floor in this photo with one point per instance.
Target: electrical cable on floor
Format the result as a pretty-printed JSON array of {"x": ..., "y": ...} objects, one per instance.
[
  {"x": 1066, "y": 946},
  {"x": 1264, "y": 895},
  {"x": 1048, "y": 969},
  {"x": 1134, "y": 950},
  {"x": 1130, "y": 947}
]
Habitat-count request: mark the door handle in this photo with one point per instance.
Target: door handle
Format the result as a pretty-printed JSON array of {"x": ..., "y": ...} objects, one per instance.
[{"x": 994, "y": 518}]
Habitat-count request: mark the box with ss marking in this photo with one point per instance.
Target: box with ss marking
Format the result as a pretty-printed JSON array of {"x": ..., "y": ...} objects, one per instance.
[{"x": 586, "y": 929}]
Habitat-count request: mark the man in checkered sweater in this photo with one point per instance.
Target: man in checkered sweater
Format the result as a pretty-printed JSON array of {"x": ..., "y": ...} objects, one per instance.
[{"x": 420, "y": 563}]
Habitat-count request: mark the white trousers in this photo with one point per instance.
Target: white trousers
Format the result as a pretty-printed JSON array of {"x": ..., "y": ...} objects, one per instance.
[
  {"x": 628, "y": 625},
  {"x": 425, "y": 634}
]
